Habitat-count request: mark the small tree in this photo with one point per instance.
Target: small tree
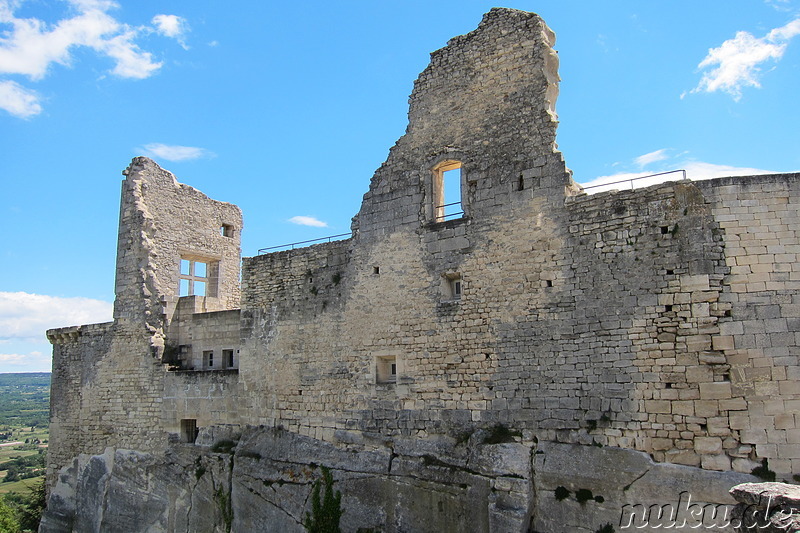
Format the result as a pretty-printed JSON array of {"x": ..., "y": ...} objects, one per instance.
[
  {"x": 325, "y": 511},
  {"x": 8, "y": 519},
  {"x": 35, "y": 503}
]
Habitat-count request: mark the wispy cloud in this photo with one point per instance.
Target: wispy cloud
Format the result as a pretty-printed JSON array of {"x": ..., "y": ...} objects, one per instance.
[
  {"x": 172, "y": 26},
  {"x": 29, "y": 46},
  {"x": 651, "y": 157},
  {"x": 19, "y": 101},
  {"x": 308, "y": 221},
  {"x": 175, "y": 152},
  {"x": 736, "y": 63},
  {"x": 25, "y": 316},
  {"x": 31, "y": 362}
]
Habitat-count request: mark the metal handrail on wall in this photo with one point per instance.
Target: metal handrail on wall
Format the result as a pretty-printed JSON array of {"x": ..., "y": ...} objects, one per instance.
[
  {"x": 291, "y": 245},
  {"x": 442, "y": 218},
  {"x": 631, "y": 180}
]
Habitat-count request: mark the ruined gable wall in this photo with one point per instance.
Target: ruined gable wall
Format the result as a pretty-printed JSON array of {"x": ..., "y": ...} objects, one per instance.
[
  {"x": 161, "y": 221},
  {"x": 109, "y": 380},
  {"x": 487, "y": 99}
]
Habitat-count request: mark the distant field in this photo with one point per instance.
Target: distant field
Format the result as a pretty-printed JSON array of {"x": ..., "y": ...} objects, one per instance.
[
  {"x": 23, "y": 486},
  {"x": 24, "y": 418}
]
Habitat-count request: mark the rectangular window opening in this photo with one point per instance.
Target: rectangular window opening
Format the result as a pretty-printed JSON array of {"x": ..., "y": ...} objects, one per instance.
[
  {"x": 227, "y": 358},
  {"x": 197, "y": 277},
  {"x": 386, "y": 369},
  {"x": 446, "y": 189},
  {"x": 452, "y": 287},
  {"x": 226, "y": 230},
  {"x": 189, "y": 430},
  {"x": 208, "y": 358}
]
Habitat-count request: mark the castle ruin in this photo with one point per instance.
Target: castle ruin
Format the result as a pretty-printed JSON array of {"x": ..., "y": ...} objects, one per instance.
[{"x": 454, "y": 365}]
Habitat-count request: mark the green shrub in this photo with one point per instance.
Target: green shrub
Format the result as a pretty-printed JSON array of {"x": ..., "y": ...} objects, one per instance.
[{"x": 326, "y": 511}]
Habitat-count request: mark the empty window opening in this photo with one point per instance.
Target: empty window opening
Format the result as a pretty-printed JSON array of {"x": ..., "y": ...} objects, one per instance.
[
  {"x": 226, "y": 230},
  {"x": 189, "y": 430},
  {"x": 453, "y": 286},
  {"x": 521, "y": 184},
  {"x": 193, "y": 278},
  {"x": 376, "y": 270},
  {"x": 227, "y": 359},
  {"x": 386, "y": 369},
  {"x": 447, "y": 191},
  {"x": 208, "y": 357},
  {"x": 548, "y": 283},
  {"x": 664, "y": 230}
]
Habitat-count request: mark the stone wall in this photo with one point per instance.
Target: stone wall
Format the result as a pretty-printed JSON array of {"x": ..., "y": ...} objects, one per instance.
[
  {"x": 109, "y": 379},
  {"x": 760, "y": 332},
  {"x": 658, "y": 322}
]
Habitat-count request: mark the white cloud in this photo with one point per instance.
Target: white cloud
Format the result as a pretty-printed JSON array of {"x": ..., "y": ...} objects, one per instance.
[
  {"x": 736, "y": 63},
  {"x": 18, "y": 100},
  {"x": 172, "y": 26},
  {"x": 30, "y": 362},
  {"x": 308, "y": 221},
  {"x": 29, "y": 46},
  {"x": 695, "y": 171},
  {"x": 175, "y": 152},
  {"x": 25, "y": 316},
  {"x": 652, "y": 157}
]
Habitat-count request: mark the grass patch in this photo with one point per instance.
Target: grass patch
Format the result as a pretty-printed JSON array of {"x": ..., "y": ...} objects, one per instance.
[
  {"x": 23, "y": 485},
  {"x": 763, "y": 471}
]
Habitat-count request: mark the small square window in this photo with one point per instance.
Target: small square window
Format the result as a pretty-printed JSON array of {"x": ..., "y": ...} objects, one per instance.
[
  {"x": 386, "y": 369},
  {"x": 226, "y": 230}
]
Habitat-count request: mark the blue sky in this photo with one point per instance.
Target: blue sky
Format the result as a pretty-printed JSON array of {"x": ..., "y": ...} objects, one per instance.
[{"x": 286, "y": 109}]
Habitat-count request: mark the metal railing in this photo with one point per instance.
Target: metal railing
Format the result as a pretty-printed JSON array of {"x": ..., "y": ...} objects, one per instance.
[
  {"x": 291, "y": 245},
  {"x": 631, "y": 180},
  {"x": 442, "y": 218}
]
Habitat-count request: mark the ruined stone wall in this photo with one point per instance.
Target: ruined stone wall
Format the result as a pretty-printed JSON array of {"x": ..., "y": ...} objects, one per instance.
[
  {"x": 109, "y": 379},
  {"x": 600, "y": 319},
  {"x": 487, "y": 100}
]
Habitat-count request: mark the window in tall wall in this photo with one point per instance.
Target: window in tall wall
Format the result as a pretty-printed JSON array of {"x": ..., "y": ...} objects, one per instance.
[
  {"x": 227, "y": 230},
  {"x": 446, "y": 191},
  {"x": 208, "y": 359},
  {"x": 194, "y": 277},
  {"x": 198, "y": 276}
]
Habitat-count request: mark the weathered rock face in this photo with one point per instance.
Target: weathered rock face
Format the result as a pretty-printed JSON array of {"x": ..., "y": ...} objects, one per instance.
[
  {"x": 766, "y": 507},
  {"x": 261, "y": 480}
]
